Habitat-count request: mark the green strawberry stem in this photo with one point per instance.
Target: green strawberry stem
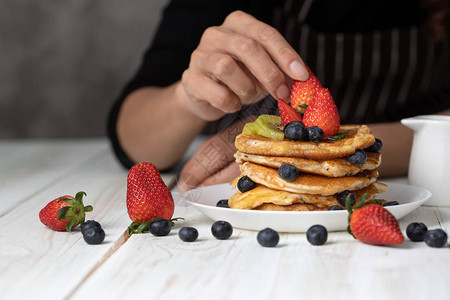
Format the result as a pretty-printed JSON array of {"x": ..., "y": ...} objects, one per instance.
[
  {"x": 138, "y": 227},
  {"x": 377, "y": 201},
  {"x": 75, "y": 211},
  {"x": 304, "y": 106},
  {"x": 143, "y": 227},
  {"x": 172, "y": 221},
  {"x": 133, "y": 227},
  {"x": 338, "y": 136}
]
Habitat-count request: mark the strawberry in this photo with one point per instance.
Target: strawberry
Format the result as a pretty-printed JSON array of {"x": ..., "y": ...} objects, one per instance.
[
  {"x": 373, "y": 224},
  {"x": 323, "y": 113},
  {"x": 147, "y": 195},
  {"x": 302, "y": 92},
  {"x": 64, "y": 213},
  {"x": 287, "y": 113}
]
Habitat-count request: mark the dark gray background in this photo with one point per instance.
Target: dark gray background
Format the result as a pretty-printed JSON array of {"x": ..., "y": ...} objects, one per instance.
[{"x": 63, "y": 62}]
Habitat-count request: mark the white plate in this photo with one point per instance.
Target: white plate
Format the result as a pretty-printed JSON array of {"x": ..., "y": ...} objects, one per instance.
[{"x": 205, "y": 199}]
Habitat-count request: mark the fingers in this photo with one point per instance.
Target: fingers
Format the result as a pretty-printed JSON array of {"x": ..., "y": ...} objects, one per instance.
[
  {"x": 225, "y": 175},
  {"x": 214, "y": 160},
  {"x": 211, "y": 157},
  {"x": 253, "y": 55},
  {"x": 226, "y": 70},
  {"x": 238, "y": 63},
  {"x": 210, "y": 98},
  {"x": 273, "y": 42},
  {"x": 189, "y": 181}
]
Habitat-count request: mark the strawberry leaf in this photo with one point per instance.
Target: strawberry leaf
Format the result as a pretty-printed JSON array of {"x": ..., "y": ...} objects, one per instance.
[
  {"x": 377, "y": 201},
  {"x": 62, "y": 213},
  {"x": 143, "y": 227},
  {"x": 348, "y": 203},
  {"x": 69, "y": 214},
  {"x": 336, "y": 137},
  {"x": 79, "y": 197},
  {"x": 362, "y": 201},
  {"x": 173, "y": 220},
  {"x": 132, "y": 228},
  {"x": 72, "y": 223},
  {"x": 67, "y": 200}
]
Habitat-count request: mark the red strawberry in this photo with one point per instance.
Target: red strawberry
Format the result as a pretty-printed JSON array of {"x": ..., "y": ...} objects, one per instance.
[
  {"x": 323, "y": 113},
  {"x": 147, "y": 195},
  {"x": 287, "y": 113},
  {"x": 373, "y": 224},
  {"x": 302, "y": 92},
  {"x": 64, "y": 213}
]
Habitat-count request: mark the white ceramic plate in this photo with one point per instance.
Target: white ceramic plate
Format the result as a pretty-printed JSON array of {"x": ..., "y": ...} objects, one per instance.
[{"x": 205, "y": 199}]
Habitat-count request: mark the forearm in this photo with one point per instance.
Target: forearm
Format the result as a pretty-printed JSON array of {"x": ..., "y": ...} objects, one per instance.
[
  {"x": 397, "y": 142},
  {"x": 156, "y": 125}
]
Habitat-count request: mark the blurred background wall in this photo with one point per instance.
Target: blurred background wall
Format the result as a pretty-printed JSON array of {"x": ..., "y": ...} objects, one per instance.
[{"x": 63, "y": 62}]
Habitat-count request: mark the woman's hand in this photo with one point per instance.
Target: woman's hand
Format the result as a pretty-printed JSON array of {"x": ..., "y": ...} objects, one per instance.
[
  {"x": 238, "y": 63},
  {"x": 213, "y": 162}
]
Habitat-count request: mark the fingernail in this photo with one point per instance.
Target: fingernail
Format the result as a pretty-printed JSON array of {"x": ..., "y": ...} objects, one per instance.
[
  {"x": 283, "y": 92},
  {"x": 298, "y": 70}
]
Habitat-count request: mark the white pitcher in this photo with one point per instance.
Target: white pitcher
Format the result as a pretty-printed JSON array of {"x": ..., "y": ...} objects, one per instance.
[{"x": 429, "y": 166}]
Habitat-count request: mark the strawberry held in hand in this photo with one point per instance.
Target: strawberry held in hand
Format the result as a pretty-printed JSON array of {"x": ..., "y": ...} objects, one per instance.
[
  {"x": 287, "y": 113},
  {"x": 323, "y": 113},
  {"x": 302, "y": 92},
  {"x": 375, "y": 225},
  {"x": 64, "y": 213},
  {"x": 147, "y": 195}
]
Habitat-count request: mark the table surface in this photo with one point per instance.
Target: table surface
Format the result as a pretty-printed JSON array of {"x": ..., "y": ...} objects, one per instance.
[{"x": 40, "y": 263}]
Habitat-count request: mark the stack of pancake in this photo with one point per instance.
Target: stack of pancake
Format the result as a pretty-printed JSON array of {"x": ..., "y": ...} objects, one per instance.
[{"x": 324, "y": 171}]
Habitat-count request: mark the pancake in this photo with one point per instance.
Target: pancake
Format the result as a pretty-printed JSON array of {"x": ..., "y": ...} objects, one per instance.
[
  {"x": 356, "y": 137},
  {"x": 263, "y": 195},
  {"x": 298, "y": 207},
  {"x": 308, "y": 183},
  {"x": 292, "y": 207},
  {"x": 337, "y": 167}
]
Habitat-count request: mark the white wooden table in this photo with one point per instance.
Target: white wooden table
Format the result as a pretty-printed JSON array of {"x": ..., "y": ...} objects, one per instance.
[{"x": 38, "y": 263}]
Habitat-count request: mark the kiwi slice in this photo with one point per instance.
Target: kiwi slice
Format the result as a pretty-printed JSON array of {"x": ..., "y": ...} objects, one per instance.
[
  {"x": 249, "y": 128},
  {"x": 269, "y": 126}
]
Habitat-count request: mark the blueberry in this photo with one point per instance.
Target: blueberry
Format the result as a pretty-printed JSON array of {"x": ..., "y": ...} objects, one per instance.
[
  {"x": 314, "y": 133},
  {"x": 375, "y": 147},
  {"x": 288, "y": 172},
  {"x": 221, "y": 230},
  {"x": 317, "y": 235},
  {"x": 268, "y": 237},
  {"x": 358, "y": 158},
  {"x": 295, "y": 131},
  {"x": 342, "y": 196},
  {"x": 223, "y": 203},
  {"x": 94, "y": 235},
  {"x": 416, "y": 231},
  {"x": 391, "y": 203},
  {"x": 335, "y": 207},
  {"x": 245, "y": 184},
  {"x": 160, "y": 227},
  {"x": 89, "y": 224},
  {"x": 435, "y": 238},
  {"x": 188, "y": 234}
]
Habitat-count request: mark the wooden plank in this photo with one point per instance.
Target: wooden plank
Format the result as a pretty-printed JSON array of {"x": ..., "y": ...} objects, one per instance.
[
  {"x": 38, "y": 262},
  {"x": 27, "y": 166},
  {"x": 166, "y": 267}
]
